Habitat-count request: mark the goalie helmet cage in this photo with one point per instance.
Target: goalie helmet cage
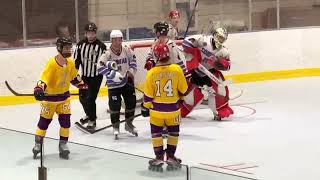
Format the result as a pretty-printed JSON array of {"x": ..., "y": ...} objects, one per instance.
[{"x": 141, "y": 50}]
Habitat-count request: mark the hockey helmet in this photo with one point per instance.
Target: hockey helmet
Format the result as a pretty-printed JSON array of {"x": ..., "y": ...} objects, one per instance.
[
  {"x": 91, "y": 27},
  {"x": 161, "y": 27},
  {"x": 61, "y": 42},
  {"x": 174, "y": 13},
  {"x": 116, "y": 34},
  {"x": 220, "y": 35},
  {"x": 161, "y": 52}
]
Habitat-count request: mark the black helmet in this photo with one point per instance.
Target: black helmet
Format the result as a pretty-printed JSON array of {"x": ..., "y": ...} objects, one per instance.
[
  {"x": 61, "y": 42},
  {"x": 161, "y": 27},
  {"x": 91, "y": 27}
]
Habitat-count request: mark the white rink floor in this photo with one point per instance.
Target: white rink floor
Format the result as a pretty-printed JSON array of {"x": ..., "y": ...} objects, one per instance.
[{"x": 278, "y": 142}]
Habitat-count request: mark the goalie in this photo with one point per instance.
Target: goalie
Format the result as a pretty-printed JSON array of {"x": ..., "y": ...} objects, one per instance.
[{"x": 208, "y": 57}]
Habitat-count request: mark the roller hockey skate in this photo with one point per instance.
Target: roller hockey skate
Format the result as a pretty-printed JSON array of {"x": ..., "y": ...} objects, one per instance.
[
  {"x": 116, "y": 133},
  {"x": 37, "y": 147},
  {"x": 173, "y": 163},
  {"x": 91, "y": 125},
  {"x": 84, "y": 120},
  {"x": 156, "y": 164},
  {"x": 131, "y": 128},
  {"x": 217, "y": 118},
  {"x": 64, "y": 150}
]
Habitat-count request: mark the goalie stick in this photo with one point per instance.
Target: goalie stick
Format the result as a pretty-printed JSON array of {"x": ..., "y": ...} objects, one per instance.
[
  {"x": 86, "y": 130},
  {"x": 31, "y": 94}
]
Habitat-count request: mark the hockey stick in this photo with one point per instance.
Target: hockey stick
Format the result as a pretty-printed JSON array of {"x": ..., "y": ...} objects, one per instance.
[
  {"x": 189, "y": 22},
  {"x": 82, "y": 128},
  {"x": 26, "y": 94}
]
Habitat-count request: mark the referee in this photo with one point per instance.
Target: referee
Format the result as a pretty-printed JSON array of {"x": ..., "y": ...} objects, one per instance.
[{"x": 86, "y": 55}]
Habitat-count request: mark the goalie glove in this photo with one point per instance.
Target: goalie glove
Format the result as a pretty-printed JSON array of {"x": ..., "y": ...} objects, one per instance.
[{"x": 222, "y": 61}]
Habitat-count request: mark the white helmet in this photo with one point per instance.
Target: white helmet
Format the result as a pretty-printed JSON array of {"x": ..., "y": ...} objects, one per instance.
[
  {"x": 116, "y": 34},
  {"x": 220, "y": 35}
]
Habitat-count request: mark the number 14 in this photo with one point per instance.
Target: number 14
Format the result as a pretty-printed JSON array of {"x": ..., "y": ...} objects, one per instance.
[{"x": 167, "y": 88}]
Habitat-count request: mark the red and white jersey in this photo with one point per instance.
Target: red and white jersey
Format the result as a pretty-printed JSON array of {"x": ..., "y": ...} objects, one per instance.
[
  {"x": 173, "y": 32},
  {"x": 208, "y": 51}
]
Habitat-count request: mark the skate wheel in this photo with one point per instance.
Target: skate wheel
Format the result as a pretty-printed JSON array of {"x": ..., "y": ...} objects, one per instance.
[
  {"x": 216, "y": 118},
  {"x": 136, "y": 134},
  {"x": 64, "y": 156},
  {"x": 34, "y": 156},
  {"x": 116, "y": 137},
  {"x": 156, "y": 168}
]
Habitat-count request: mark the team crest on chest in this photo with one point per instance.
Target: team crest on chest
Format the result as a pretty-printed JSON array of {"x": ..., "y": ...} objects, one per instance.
[{"x": 94, "y": 53}]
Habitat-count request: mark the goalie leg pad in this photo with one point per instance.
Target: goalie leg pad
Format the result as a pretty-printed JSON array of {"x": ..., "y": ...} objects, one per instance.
[
  {"x": 221, "y": 102},
  {"x": 197, "y": 97}
]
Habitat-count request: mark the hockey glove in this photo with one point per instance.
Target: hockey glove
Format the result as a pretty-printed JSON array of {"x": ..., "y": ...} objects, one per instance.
[
  {"x": 149, "y": 64},
  {"x": 39, "y": 93},
  {"x": 144, "y": 111},
  {"x": 82, "y": 85}
]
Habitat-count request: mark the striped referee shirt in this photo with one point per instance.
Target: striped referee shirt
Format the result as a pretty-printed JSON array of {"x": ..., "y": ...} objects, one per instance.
[{"x": 87, "y": 55}]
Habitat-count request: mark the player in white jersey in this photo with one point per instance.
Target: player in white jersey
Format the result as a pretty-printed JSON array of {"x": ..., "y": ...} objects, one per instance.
[
  {"x": 174, "y": 16},
  {"x": 119, "y": 65},
  {"x": 208, "y": 57},
  {"x": 176, "y": 56}
]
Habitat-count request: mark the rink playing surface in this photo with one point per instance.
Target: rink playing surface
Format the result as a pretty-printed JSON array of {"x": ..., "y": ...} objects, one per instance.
[{"x": 274, "y": 134}]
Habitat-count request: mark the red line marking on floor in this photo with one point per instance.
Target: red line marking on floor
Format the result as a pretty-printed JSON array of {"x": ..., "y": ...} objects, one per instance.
[
  {"x": 246, "y": 167},
  {"x": 234, "y": 165},
  {"x": 211, "y": 165}
]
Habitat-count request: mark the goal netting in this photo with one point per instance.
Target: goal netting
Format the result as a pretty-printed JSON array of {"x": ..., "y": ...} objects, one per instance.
[{"x": 141, "y": 50}]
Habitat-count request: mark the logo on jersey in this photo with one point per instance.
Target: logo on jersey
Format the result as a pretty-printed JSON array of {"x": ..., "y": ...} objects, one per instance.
[
  {"x": 121, "y": 61},
  {"x": 206, "y": 52},
  {"x": 94, "y": 53}
]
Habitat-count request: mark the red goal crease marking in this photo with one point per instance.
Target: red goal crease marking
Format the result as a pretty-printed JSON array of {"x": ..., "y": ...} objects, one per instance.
[
  {"x": 246, "y": 167},
  {"x": 253, "y": 111},
  {"x": 230, "y": 169},
  {"x": 234, "y": 165}
]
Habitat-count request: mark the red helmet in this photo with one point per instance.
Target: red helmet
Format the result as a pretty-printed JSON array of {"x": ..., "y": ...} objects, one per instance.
[
  {"x": 161, "y": 51},
  {"x": 174, "y": 13}
]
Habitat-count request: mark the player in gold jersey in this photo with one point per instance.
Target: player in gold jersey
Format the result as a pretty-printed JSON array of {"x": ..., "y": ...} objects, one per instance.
[
  {"x": 53, "y": 91},
  {"x": 164, "y": 87}
]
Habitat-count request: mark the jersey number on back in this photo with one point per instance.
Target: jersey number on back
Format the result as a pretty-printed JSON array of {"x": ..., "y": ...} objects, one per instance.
[{"x": 167, "y": 88}]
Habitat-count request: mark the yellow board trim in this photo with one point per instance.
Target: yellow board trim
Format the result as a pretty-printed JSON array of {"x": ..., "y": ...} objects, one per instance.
[{"x": 235, "y": 78}]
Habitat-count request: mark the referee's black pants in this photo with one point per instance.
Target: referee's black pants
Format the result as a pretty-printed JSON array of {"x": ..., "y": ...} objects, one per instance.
[{"x": 88, "y": 96}]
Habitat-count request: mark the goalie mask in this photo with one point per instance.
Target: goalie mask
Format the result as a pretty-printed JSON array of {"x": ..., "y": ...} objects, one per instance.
[
  {"x": 161, "y": 52},
  {"x": 162, "y": 28},
  {"x": 62, "y": 42},
  {"x": 220, "y": 35}
]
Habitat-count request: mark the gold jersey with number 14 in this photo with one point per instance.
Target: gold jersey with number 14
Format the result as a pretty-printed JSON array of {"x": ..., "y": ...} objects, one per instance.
[{"x": 164, "y": 87}]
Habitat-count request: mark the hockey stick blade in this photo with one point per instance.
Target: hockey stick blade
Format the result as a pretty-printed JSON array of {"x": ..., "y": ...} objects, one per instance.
[
  {"x": 29, "y": 94},
  {"x": 14, "y": 92},
  {"x": 86, "y": 130}
]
